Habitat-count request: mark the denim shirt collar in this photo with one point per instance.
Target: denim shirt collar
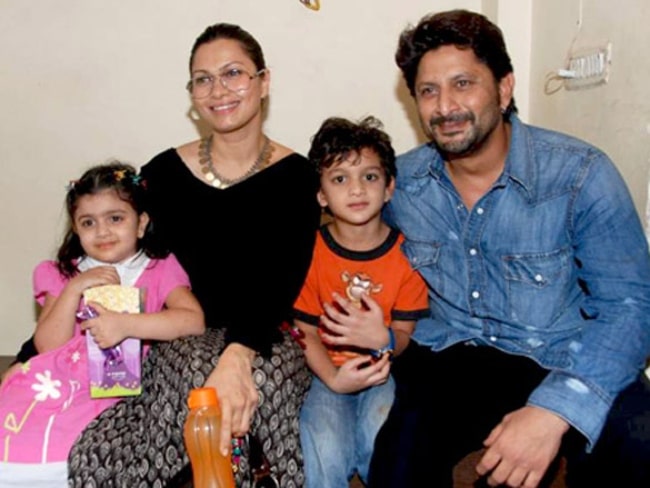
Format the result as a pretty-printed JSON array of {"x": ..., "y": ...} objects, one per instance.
[
  {"x": 520, "y": 153},
  {"x": 516, "y": 168}
]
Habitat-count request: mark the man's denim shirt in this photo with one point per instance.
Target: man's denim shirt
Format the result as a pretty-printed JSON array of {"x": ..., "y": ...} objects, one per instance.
[{"x": 551, "y": 263}]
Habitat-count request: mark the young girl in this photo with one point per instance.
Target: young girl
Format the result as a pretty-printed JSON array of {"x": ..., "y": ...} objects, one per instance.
[{"x": 45, "y": 402}]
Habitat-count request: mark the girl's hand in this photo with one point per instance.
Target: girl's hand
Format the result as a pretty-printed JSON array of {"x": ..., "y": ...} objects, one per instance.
[
  {"x": 107, "y": 329},
  {"x": 238, "y": 397},
  {"x": 101, "y": 275},
  {"x": 57, "y": 320},
  {"x": 359, "y": 373},
  {"x": 353, "y": 326}
]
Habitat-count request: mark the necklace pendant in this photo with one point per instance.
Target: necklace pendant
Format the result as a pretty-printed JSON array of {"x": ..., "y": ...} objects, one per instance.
[{"x": 213, "y": 177}]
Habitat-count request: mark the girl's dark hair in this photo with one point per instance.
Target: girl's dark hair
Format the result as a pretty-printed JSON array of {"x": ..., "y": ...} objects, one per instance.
[
  {"x": 460, "y": 28},
  {"x": 129, "y": 186},
  {"x": 338, "y": 137},
  {"x": 230, "y": 31}
]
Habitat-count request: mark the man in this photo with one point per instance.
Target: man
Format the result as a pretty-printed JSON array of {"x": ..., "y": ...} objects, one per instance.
[{"x": 539, "y": 285}]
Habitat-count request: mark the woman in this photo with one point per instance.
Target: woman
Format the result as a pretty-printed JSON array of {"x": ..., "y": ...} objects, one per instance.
[{"x": 239, "y": 212}]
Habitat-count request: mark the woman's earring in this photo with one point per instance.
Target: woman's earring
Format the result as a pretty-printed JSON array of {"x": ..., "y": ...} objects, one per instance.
[{"x": 194, "y": 115}]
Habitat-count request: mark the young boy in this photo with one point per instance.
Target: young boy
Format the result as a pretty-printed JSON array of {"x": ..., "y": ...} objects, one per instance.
[{"x": 358, "y": 305}]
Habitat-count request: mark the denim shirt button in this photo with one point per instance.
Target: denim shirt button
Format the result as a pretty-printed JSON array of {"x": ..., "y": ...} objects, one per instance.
[
  {"x": 493, "y": 338},
  {"x": 475, "y": 294},
  {"x": 479, "y": 211},
  {"x": 538, "y": 278},
  {"x": 472, "y": 252}
]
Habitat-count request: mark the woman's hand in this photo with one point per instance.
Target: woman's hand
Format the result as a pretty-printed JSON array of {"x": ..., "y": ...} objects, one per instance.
[{"x": 238, "y": 397}]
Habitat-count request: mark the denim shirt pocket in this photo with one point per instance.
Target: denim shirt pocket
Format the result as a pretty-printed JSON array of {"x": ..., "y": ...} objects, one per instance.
[
  {"x": 536, "y": 286},
  {"x": 424, "y": 258}
]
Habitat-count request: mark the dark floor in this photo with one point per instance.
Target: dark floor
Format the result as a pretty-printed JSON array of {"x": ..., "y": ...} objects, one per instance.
[{"x": 466, "y": 477}]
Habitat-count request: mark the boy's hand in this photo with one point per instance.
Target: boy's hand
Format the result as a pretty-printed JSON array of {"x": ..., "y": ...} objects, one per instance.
[
  {"x": 354, "y": 326},
  {"x": 359, "y": 373}
]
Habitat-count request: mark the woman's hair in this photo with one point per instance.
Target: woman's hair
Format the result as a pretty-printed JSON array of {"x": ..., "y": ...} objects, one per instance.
[
  {"x": 230, "y": 31},
  {"x": 338, "y": 137},
  {"x": 129, "y": 187},
  {"x": 460, "y": 28}
]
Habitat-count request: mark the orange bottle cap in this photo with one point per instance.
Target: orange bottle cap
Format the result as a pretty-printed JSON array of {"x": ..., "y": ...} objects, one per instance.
[{"x": 202, "y": 397}]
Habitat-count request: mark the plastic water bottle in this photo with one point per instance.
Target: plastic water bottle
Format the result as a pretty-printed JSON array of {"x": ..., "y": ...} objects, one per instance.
[{"x": 210, "y": 468}]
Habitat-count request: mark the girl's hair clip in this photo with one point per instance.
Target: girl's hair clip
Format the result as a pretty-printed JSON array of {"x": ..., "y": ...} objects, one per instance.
[
  {"x": 134, "y": 178},
  {"x": 71, "y": 184}
]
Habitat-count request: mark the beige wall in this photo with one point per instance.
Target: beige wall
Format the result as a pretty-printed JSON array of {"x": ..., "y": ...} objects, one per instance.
[
  {"x": 85, "y": 80},
  {"x": 82, "y": 81},
  {"x": 614, "y": 116}
]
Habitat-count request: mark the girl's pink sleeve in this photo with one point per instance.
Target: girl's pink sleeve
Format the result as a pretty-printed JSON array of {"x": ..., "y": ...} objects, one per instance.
[
  {"x": 174, "y": 276},
  {"x": 47, "y": 279},
  {"x": 161, "y": 278}
]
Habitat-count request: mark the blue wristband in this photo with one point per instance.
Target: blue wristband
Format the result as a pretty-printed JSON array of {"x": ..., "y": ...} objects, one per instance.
[{"x": 389, "y": 348}]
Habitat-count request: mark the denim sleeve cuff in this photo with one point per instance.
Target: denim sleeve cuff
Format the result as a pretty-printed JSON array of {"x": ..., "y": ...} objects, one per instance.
[{"x": 575, "y": 402}]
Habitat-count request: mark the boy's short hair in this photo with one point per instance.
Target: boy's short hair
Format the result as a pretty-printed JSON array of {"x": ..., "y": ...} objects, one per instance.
[{"x": 338, "y": 137}]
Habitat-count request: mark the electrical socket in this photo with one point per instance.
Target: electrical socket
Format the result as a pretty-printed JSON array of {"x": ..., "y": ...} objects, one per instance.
[{"x": 590, "y": 67}]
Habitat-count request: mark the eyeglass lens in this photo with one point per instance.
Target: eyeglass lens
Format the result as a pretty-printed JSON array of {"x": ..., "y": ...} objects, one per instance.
[{"x": 234, "y": 79}]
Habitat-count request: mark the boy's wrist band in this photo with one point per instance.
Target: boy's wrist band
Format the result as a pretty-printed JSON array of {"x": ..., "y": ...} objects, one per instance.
[{"x": 389, "y": 348}]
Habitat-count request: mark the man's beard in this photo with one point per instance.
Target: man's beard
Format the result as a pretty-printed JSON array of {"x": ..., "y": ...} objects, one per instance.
[{"x": 473, "y": 140}]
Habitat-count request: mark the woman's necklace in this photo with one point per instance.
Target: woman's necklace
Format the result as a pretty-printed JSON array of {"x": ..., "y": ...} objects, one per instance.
[{"x": 219, "y": 181}]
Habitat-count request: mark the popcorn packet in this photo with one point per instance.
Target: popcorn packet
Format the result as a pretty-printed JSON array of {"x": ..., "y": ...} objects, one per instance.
[{"x": 114, "y": 371}]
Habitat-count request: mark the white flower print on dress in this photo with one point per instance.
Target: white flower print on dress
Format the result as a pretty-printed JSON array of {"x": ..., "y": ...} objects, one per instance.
[{"x": 47, "y": 387}]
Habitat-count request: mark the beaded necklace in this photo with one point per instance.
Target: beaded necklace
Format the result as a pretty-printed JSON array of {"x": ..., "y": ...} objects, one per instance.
[{"x": 219, "y": 181}]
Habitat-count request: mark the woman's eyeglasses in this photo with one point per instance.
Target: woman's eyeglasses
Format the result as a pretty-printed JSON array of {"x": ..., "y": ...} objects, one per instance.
[{"x": 233, "y": 79}]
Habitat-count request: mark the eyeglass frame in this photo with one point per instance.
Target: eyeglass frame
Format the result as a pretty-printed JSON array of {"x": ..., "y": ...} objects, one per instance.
[
  {"x": 220, "y": 76},
  {"x": 260, "y": 467}
]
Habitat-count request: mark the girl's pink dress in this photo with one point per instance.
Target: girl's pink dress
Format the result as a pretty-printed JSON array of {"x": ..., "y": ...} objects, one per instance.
[{"x": 46, "y": 404}]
